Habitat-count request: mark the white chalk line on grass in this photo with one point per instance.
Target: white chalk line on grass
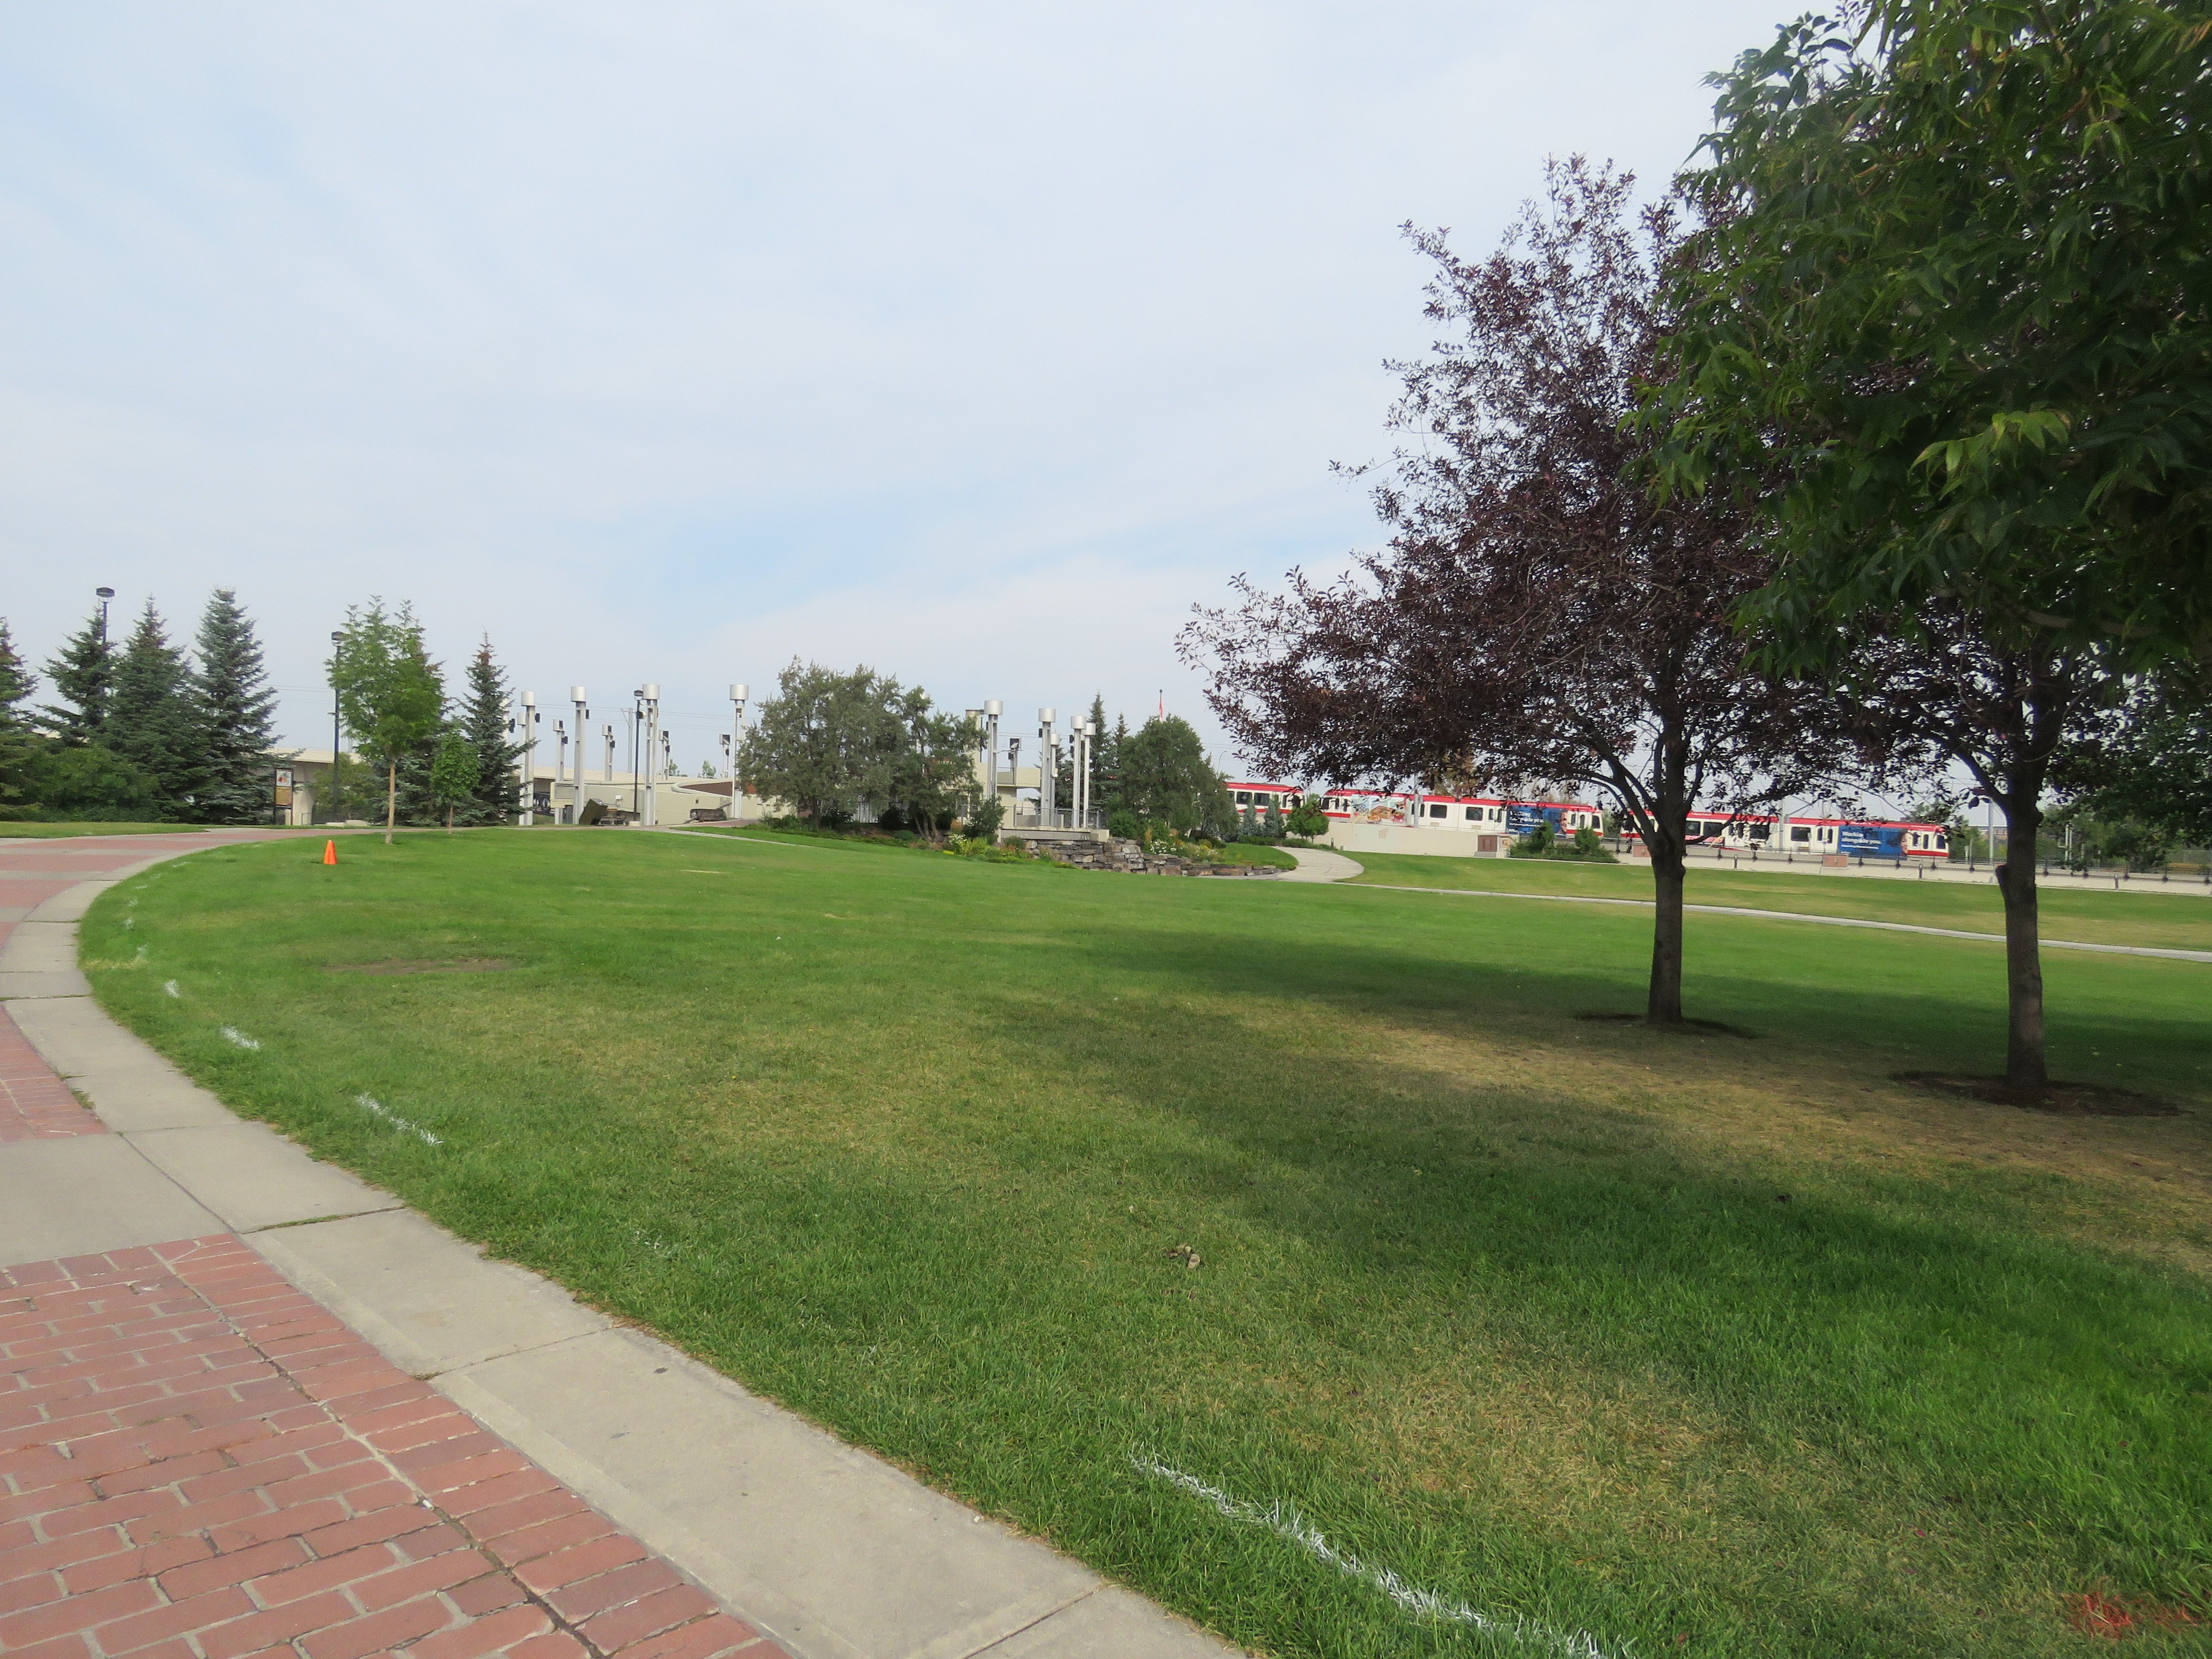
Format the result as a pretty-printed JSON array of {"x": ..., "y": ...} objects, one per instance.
[
  {"x": 169, "y": 988},
  {"x": 1285, "y": 1522},
  {"x": 232, "y": 1034},
  {"x": 406, "y": 1125},
  {"x": 1799, "y": 915}
]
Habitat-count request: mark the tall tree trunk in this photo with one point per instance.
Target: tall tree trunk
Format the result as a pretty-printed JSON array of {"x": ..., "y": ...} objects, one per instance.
[
  {"x": 2025, "y": 1075},
  {"x": 391, "y": 800},
  {"x": 1664, "y": 1005}
]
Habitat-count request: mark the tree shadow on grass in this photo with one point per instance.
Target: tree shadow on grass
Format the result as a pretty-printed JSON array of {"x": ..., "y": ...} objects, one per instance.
[{"x": 1898, "y": 1324}]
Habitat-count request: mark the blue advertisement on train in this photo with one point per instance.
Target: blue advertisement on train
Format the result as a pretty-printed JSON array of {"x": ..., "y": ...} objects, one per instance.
[
  {"x": 1871, "y": 841},
  {"x": 1522, "y": 820}
]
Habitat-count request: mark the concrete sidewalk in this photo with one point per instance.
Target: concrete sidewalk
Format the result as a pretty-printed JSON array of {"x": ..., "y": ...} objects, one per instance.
[{"x": 831, "y": 1552}]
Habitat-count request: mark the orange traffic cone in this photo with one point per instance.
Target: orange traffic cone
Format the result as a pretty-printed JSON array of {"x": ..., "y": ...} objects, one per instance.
[{"x": 330, "y": 852}]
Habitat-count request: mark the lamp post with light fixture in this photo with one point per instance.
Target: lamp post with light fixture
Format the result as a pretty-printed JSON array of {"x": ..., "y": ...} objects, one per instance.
[
  {"x": 583, "y": 716},
  {"x": 337, "y": 796}
]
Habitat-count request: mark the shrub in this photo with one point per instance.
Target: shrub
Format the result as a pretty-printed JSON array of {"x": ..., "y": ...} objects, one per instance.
[{"x": 1124, "y": 824}]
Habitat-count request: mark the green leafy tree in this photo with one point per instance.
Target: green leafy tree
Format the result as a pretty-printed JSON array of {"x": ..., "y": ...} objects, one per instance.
[
  {"x": 236, "y": 715},
  {"x": 389, "y": 692},
  {"x": 456, "y": 773},
  {"x": 20, "y": 745},
  {"x": 83, "y": 676},
  {"x": 153, "y": 718},
  {"x": 933, "y": 780},
  {"x": 827, "y": 743},
  {"x": 1952, "y": 295},
  {"x": 1308, "y": 818},
  {"x": 1166, "y": 777},
  {"x": 487, "y": 723},
  {"x": 2155, "y": 770},
  {"x": 90, "y": 782}
]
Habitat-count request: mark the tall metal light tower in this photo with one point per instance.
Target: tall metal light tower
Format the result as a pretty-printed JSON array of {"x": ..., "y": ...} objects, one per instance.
[
  {"x": 583, "y": 716},
  {"x": 734, "y": 743},
  {"x": 992, "y": 710},
  {"x": 652, "y": 733},
  {"x": 526, "y": 762},
  {"x": 1047, "y": 764}
]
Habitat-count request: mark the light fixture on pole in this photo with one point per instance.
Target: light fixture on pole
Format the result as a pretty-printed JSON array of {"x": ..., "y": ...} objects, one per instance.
[
  {"x": 992, "y": 709},
  {"x": 1047, "y": 764},
  {"x": 105, "y": 595},
  {"x": 652, "y": 732},
  {"x": 583, "y": 715},
  {"x": 636, "y": 725},
  {"x": 733, "y": 744},
  {"x": 330, "y": 812},
  {"x": 526, "y": 762},
  {"x": 1013, "y": 763},
  {"x": 608, "y": 732},
  {"x": 560, "y": 767}
]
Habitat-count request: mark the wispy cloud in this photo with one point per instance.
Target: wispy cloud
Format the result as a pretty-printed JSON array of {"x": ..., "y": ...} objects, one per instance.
[{"x": 976, "y": 342}]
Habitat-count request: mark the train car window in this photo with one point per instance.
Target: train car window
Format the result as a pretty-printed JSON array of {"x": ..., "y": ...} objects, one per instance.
[
  {"x": 1473, "y": 812},
  {"x": 1800, "y": 832},
  {"x": 1437, "y": 812}
]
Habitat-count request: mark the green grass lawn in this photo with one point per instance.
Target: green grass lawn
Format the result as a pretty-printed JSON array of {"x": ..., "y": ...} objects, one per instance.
[
  {"x": 2170, "y": 920},
  {"x": 10, "y": 830},
  {"x": 1634, "y": 1335}
]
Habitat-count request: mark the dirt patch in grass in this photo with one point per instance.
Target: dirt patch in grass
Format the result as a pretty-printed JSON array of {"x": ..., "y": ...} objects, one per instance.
[
  {"x": 459, "y": 965},
  {"x": 2070, "y": 1099}
]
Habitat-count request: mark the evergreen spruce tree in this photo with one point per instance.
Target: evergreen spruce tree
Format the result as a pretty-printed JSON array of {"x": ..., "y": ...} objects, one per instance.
[
  {"x": 153, "y": 716},
  {"x": 83, "y": 673},
  {"x": 484, "y": 720},
  {"x": 236, "y": 711},
  {"x": 19, "y": 744},
  {"x": 1110, "y": 762}
]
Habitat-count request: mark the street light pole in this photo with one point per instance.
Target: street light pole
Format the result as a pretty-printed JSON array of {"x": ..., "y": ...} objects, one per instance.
[
  {"x": 526, "y": 762},
  {"x": 992, "y": 709},
  {"x": 576, "y": 697},
  {"x": 733, "y": 745},
  {"x": 636, "y": 725},
  {"x": 330, "y": 812},
  {"x": 652, "y": 732},
  {"x": 1048, "y": 764}
]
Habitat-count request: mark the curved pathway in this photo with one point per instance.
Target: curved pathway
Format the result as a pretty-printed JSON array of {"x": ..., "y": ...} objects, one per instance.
[
  {"x": 1315, "y": 865},
  {"x": 1799, "y": 915}
]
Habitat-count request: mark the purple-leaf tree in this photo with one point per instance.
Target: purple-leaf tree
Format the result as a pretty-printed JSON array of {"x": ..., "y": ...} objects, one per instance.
[{"x": 1540, "y": 613}]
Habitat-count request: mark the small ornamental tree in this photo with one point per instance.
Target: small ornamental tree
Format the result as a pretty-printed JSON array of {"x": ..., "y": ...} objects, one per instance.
[
  {"x": 236, "y": 715},
  {"x": 1308, "y": 818},
  {"x": 389, "y": 693},
  {"x": 154, "y": 719},
  {"x": 456, "y": 773},
  {"x": 83, "y": 676},
  {"x": 1537, "y": 614},
  {"x": 19, "y": 744}
]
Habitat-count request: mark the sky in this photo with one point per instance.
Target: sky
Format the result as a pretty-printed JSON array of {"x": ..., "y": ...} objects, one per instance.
[{"x": 673, "y": 341}]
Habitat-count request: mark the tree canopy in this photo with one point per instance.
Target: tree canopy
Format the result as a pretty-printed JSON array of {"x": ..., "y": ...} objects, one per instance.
[
  {"x": 390, "y": 694},
  {"x": 1166, "y": 777},
  {"x": 1538, "y": 617},
  {"x": 1954, "y": 296}
]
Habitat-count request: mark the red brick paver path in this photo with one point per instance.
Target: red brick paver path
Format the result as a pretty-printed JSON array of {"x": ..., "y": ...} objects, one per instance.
[
  {"x": 198, "y": 1461},
  {"x": 34, "y": 1104}
]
